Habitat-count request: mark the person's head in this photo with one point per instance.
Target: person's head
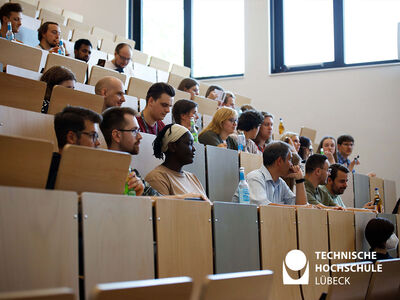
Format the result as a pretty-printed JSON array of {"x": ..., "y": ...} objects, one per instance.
[
  {"x": 229, "y": 100},
  {"x": 121, "y": 129},
  {"x": 277, "y": 155},
  {"x": 123, "y": 55},
  {"x": 294, "y": 137},
  {"x": 49, "y": 33},
  {"x": 345, "y": 145},
  {"x": 77, "y": 125},
  {"x": 112, "y": 89},
  {"x": 191, "y": 86},
  {"x": 223, "y": 121},
  {"x": 11, "y": 12},
  {"x": 337, "y": 179},
  {"x": 83, "y": 49},
  {"x": 176, "y": 143},
  {"x": 377, "y": 232},
  {"x": 305, "y": 149},
  {"x": 317, "y": 168},
  {"x": 159, "y": 100},
  {"x": 328, "y": 144},
  {"x": 57, "y": 75},
  {"x": 212, "y": 94},
  {"x": 250, "y": 122},
  {"x": 183, "y": 110},
  {"x": 265, "y": 132},
  {"x": 245, "y": 107}
]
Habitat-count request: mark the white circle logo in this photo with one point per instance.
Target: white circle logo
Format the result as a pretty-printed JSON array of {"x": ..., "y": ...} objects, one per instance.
[{"x": 295, "y": 260}]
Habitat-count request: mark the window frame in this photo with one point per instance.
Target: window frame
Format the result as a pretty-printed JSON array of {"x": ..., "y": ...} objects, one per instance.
[
  {"x": 135, "y": 32},
  {"x": 277, "y": 42}
]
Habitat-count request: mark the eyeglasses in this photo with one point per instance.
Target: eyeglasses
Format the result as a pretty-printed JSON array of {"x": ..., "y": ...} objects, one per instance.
[
  {"x": 93, "y": 135},
  {"x": 123, "y": 57},
  {"x": 348, "y": 144},
  {"x": 232, "y": 120},
  {"x": 133, "y": 131}
]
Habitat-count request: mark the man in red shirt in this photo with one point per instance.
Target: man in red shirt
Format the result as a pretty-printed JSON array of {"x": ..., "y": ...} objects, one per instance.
[{"x": 158, "y": 103}]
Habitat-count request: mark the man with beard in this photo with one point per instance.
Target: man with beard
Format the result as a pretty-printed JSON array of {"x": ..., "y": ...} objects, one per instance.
[
  {"x": 49, "y": 37},
  {"x": 335, "y": 186}
]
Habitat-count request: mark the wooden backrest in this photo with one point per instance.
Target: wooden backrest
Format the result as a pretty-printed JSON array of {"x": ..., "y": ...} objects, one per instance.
[
  {"x": 145, "y": 161},
  {"x": 50, "y": 6},
  {"x": 181, "y": 95},
  {"x": 145, "y": 72},
  {"x": 361, "y": 190},
  {"x": 72, "y": 15},
  {"x": 308, "y": 132},
  {"x": 250, "y": 161},
  {"x": 203, "y": 88},
  {"x": 162, "y": 76},
  {"x": 138, "y": 87},
  {"x": 361, "y": 220},
  {"x": 175, "y": 79},
  {"x": 107, "y": 45},
  {"x": 140, "y": 57},
  {"x": 77, "y": 67},
  {"x": 131, "y": 102},
  {"x": 28, "y": 9},
  {"x": 21, "y": 92},
  {"x": 20, "y": 122},
  {"x": 274, "y": 248},
  {"x": 175, "y": 288},
  {"x": 82, "y": 34},
  {"x": 313, "y": 236},
  {"x": 241, "y": 100},
  {"x": 254, "y": 285},
  {"x": 180, "y": 70},
  {"x": 74, "y": 24},
  {"x": 65, "y": 35},
  {"x": 341, "y": 233},
  {"x": 98, "y": 73},
  {"x": 113, "y": 220},
  {"x": 39, "y": 240},
  {"x": 385, "y": 284},
  {"x": 45, "y": 294},
  {"x": 183, "y": 227},
  {"x": 390, "y": 195},
  {"x": 84, "y": 88},
  {"x": 48, "y": 16},
  {"x": 376, "y": 182},
  {"x": 357, "y": 289},
  {"x": 348, "y": 195},
  {"x": 20, "y": 156},
  {"x": 62, "y": 97},
  {"x": 121, "y": 39},
  {"x": 206, "y": 106},
  {"x": 84, "y": 169},
  {"x": 159, "y": 63},
  {"x": 102, "y": 33},
  {"x": 19, "y": 55}
]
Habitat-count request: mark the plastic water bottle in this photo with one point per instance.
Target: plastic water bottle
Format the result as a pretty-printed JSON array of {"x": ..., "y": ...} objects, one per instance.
[
  {"x": 193, "y": 130},
  {"x": 243, "y": 188},
  {"x": 128, "y": 191},
  {"x": 241, "y": 141},
  {"x": 61, "y": 49},
  {"x": 10, "y": 34}
]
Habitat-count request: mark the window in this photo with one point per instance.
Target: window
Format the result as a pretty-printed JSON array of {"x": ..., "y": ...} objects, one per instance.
[
  {"x": 163, "y": 29},
  {"x": 218, "y": 37},
  {"x": 319, "y": 34}
]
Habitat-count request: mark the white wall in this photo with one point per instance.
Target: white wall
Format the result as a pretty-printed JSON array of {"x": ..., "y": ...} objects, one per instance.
[
  {"x": 363, "y": 102},
  {"x": 106, "y": 14}
]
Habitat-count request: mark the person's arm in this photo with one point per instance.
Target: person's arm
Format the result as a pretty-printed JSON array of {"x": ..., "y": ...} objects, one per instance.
[
  {"x": 301, "y": 196},
  {"x": 135, "y": 183}
]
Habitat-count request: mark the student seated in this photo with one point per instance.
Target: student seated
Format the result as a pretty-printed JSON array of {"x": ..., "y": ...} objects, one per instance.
[
  {"x": 158, "y": 103},
  {"x": 174, "y": 144},
  {"x": 57, "y": 75},
  {"x": 10, "y": 12},
  {"x": 183, "y": 110},
  {"x": 112, "y": 89},
  {"x": 249, "y": 123},
  {"x": 328, "y": 147},
  {"x": 292, "y": 139},
  {"x": 122, "y": 60},
  {"x": 345, "y": 144},
  {"x": 305, "y": 149},
  {"x": 215, "y": 92},
  {"x": 266, "y": 185},
  {"x": 217, "y": 132},
  {"x": 264, "y": 136},
  {"x": 49, "y": 37},
  {"x": 191, "y": 86},
  {"x": 229, "y": 100},
  {"x": 381, "y": 236},
  {"x": 83, "y": 50}
]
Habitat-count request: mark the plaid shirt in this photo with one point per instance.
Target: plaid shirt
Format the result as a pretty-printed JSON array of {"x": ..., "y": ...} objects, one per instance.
[{"x": 342, "y": 160}]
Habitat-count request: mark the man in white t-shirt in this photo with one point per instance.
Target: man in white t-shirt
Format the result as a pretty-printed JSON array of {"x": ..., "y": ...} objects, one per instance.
[{"x": 122, "y": 60}]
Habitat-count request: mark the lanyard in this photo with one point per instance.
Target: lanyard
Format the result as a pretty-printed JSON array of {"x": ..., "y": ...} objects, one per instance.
[{"x": 145, "y": 124}]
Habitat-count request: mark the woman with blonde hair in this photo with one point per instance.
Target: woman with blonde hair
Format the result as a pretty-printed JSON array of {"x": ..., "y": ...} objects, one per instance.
[
  {"x": 291, "y": 138},
  {"x": 222, "y": 125}
]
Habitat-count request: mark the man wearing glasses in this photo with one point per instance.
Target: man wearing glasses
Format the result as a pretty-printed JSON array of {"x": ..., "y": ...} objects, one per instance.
[
  {"x": 122, "y": 60},
  {"x": 345, "y": 148},
  {"x": 77, "y": 126}
]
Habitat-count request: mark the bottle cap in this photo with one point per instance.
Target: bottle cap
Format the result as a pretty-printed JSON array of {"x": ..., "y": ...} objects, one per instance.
[{"x": 376, "y": 189}]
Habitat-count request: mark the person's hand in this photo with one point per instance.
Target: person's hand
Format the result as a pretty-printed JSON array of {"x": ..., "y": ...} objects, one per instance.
[
  {"x": 370, "y": 205},
  {"x": 371, "y": 174},
  {"x": 223, "y": 145},
  {"x": 54, "y": 49},
  {"x": 330, "y": 157},
  {"x": 355, "y": 162},
  {"x": 295, "y": 172},
  {"x": 135, "y": 183}
]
